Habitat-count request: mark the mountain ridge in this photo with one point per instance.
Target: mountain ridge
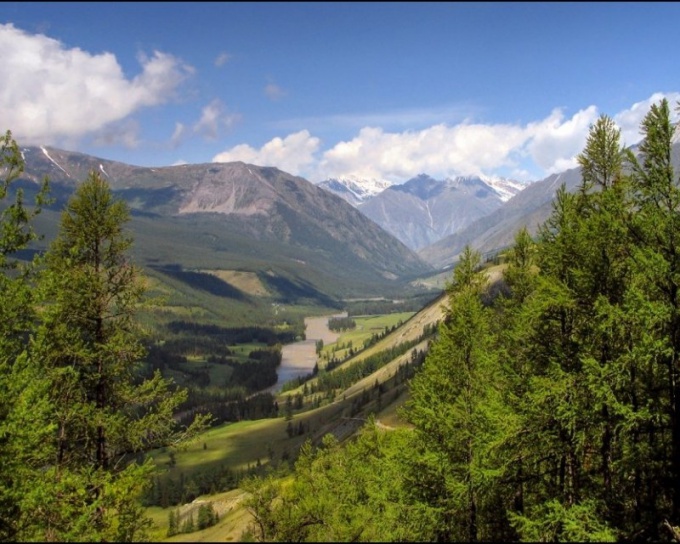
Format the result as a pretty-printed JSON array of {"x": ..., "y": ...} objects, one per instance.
[
  {"x": 423, "y": 210},
  {"x": 242, "y": 208},
  {"x": 529, "y": 208}
]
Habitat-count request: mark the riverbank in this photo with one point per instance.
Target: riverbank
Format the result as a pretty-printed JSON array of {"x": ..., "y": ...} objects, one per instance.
[{"x": 299, "y": 358}]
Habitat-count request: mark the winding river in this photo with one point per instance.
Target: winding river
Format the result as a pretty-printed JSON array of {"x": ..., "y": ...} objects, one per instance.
[{"x": 299, "y": 358}]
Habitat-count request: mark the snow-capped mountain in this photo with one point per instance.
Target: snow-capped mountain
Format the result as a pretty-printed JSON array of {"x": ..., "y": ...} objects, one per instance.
[
  {"x": 424, "y": 210},
  {"x": 355, "y": 189},
  {"x": 506, "y": 188}
]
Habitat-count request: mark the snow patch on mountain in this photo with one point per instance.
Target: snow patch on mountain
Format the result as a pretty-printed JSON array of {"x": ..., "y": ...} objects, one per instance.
[
  {"x": 355, "y": 189},
  {"x": 53, "y": 161},
  {"x": 503, "y": 187}
]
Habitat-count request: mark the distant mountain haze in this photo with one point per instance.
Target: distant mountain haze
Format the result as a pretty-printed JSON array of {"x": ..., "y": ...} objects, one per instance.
[{"x": 424, "y": 210}]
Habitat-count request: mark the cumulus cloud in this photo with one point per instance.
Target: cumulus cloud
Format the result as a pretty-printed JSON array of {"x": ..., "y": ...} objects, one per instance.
[
  {"x": 554, "y": 142},
  {"x": 52, "y": 93},
  {"x": 214, "y": 118},
  {"x": 464, "y": 149},
  {"x": 293, "y": 154},
  {"x": 523, "y": 151},
  {"x": 629, "y": 120}
]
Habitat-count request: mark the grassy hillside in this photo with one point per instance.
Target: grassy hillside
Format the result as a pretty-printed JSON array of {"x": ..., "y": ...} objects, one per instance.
[
  {"x": 248, "y": 445},
  {"x": 235, "y": 449}
]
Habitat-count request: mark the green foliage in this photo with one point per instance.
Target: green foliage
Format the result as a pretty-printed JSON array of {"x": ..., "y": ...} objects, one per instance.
[
  {"x": 340, "y": 494},
  {"x": 75, "y": 414},
  {"x": 341, "y": 323},
  {"x": 22, "y": 392},
  {"x": 556, "y": 523},
  {"x": 548, "y": 413},
  {"x": 455, "y": 407}
]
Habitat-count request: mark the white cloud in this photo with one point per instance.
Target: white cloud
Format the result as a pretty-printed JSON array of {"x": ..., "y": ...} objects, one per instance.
[
  {"x": 292, "y": 154},
  {"x": 438, "y": 150},
  {"x": 274, "y": 92},
  {"x": 523, "y": 151},
  {"x": 51, "y": 93},
  {"x": 222, "y": 59},
  {"x": 553, "y": 143},
  {"x": 464, "y": 149},
  {"x": 629, "y": 120},
  {"x": 214, "y": 117}
]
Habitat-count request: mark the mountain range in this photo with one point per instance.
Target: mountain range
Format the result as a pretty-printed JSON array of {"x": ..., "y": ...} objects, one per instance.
[
  {"x": 424, "y": 210},
  {"x": 306, "y": 243},
  {"x": 237, "y": 216}
]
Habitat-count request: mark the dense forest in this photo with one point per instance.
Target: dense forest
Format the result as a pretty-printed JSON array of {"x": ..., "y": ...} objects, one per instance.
[{"x": 547, "y": 412}]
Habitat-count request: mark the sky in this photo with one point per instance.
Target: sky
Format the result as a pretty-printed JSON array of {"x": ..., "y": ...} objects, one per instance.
[{"x": 331, "y": 89}]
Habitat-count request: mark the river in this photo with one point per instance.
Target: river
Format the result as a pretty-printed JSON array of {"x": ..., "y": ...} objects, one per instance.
[{"x": 299, "y": 358}]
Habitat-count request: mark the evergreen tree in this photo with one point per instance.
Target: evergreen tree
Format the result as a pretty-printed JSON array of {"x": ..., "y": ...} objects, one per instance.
[
  {"x": 655, "y": 228},
  {"x": 22, "y": 391},
  {"x": 173, "y": 528},
  {"x": 455, "y": 405},
  {"x": 88, "y": 347}
]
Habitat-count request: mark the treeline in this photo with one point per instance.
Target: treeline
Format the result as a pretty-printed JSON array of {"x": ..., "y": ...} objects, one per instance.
[
  {"x": 178, "y": 524},
  {"x": 333, "y": 378},
  {"x": 254, "y": 374},
  {"x": 376, "y": 337},
  {"x": 166, "y": 491},
  {"x": 226, "y": 405},
  {"x": 235, "y": 335},
  {"x": 340, "y": 324},
  {"x": 548, "y": 413},
  {"x": 381, "y": 307},
  {"x": 360, "y": 369}
]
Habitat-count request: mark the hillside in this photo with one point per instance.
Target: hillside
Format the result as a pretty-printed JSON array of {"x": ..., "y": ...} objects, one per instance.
[
  {"x": 239, "y": 445},
  {"x": 235, "y": 216},
  {"x": 246, "y": 444}
]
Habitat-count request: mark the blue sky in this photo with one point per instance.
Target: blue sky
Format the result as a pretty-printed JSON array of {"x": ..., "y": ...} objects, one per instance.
[{"x": 324, "y": 89}]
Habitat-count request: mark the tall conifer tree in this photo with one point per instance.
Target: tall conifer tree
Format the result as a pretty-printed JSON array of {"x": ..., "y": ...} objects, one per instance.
[{"x": 89, "y": 347}]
